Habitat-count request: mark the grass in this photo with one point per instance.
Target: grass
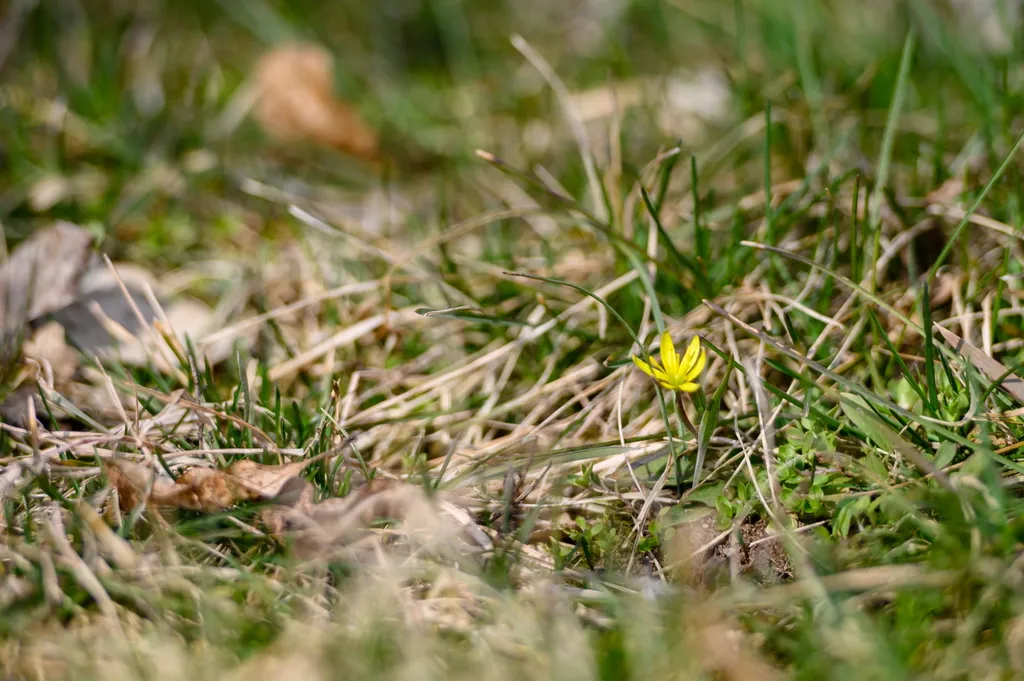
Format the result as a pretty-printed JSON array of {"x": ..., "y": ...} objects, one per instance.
[{"x": 457, "y": 321}]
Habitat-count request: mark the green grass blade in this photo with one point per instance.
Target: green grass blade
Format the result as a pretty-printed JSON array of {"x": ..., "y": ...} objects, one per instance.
[
  {"x": 708, "y": 423},
  {"x": 929, "y": 349},
  {"x": 873, "y": 319},
  {"x": 888, "y": 141},
  {"x": 698, "y": 272},
  {"x": 769, "y": 221},
  {"x": 974, "y": 207},
  {"x": 700, "y": 233}
]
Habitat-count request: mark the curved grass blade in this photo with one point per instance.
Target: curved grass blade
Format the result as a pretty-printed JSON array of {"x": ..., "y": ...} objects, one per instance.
[{"x": 464, "y": 313}]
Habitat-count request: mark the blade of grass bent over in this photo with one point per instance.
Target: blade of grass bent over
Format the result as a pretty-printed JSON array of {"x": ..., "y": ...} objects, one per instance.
[{"x": 996, "y": 371}]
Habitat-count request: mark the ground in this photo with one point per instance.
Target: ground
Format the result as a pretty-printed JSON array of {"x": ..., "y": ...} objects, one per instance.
[{"x": 373, "y": 409}]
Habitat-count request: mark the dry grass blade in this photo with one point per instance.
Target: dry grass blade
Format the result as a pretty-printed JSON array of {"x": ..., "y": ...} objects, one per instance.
[
  {"x": 346, "y": 336},
  {"x": 114, "y": 546},
  {"x": 85, "y": 577},
  {"x": 1010, "y": 383},
  {"x": 767, "y": 436},
  {"x": 839, "y": 379},
  {"x": 578, "y": 131},
  {"x": 911, "y": 452}
]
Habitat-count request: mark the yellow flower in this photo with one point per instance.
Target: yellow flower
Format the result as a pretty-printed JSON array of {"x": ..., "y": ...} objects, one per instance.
[{"x": 675, "y": 373}]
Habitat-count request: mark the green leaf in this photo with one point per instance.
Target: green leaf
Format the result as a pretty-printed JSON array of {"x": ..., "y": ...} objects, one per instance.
[
  {"x": 946, "y": 454},
  {"x": 723, "y": 507},
  {"x": 464, "y": 314},
  {"x": 706, "y": 494}
]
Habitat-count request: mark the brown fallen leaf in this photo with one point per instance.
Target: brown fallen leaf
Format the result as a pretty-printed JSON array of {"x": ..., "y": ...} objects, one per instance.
[
  {"x": 48, "y": 350},
  {"x": 264, "y": 482},
  {"x": 43, "y": 272},
  {"x": 200, "y": 489},
  {"x": 296, "y": 101},
  {"x": 315, "y": 529},
  {"x": 136, "y": 483},
  {"x": 58, "y": 297}
]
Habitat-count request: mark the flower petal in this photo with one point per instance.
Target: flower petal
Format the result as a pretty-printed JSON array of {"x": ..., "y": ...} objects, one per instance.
[
  {"x": 689, "y": 387},
  {"x": 690, "y": 357},
  {"x": 660, "y": 375},
  {"x": 697, "y": 367},
  {"x": 644, "y": 366},
  {"x": 652, "y": 369},
  {"x": 669, "y": 356}
]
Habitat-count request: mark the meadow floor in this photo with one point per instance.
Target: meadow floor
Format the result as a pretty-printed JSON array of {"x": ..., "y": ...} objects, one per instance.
[{"x": 361, "y": 399}]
